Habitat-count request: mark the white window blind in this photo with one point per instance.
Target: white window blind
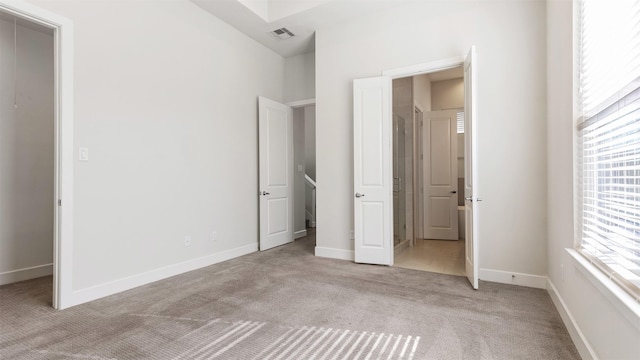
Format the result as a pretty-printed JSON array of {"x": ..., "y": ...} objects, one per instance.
[
  {"x": 460, "y": 122},
  {"x": 609, "y": 139}
]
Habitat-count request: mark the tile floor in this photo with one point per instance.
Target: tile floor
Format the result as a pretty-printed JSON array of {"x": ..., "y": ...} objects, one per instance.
[{"x": 440, "y": 256}]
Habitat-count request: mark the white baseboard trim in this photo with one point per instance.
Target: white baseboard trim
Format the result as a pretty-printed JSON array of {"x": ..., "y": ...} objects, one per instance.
[
  {"x": 299, "y": 234},
  {"x": 335, "y": 253},
  {"x": 585, "y": 350},
  {"x": 9, "y": 277},
  {"x": 114, "y": 287},
  {"x": 514, "y": 278}
]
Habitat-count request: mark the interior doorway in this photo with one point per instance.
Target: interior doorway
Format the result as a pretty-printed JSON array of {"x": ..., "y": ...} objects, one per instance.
[
  {"x": 287, "y": 183},
  {"x": 304, "y": 158},
  {"x": 27, "y": 145},
  {"x": 428, "y": 166},
  {"x": 373, "y": 163},
  {"x": 63, "y": 147}
]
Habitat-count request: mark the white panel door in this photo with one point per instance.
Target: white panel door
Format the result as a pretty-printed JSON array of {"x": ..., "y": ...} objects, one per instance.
[
  {"x": 373, "y": 183},
  {"x": 275, "y": 127},
  {"x": 471, "y": 189},
  {"x": 440, "y": 175}
]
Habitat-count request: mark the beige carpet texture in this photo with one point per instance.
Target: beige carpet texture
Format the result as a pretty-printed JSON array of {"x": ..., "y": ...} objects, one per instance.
[{"x": 286, "y": 303}]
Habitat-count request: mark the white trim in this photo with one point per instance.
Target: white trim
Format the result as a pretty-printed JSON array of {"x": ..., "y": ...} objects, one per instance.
[
  {"x": 114, "y": 287},
  {"x": 299, "y": 234},
  {"x": 423, "y": 68},
  {"x": 334, "y": 253},
  {"x": 63, "y": 224},
  {"x": 514, "y": 278},
  {"x": 580, "y": 341},
  {"x": 301, "y": 103},
  {"x": 621, "y": 300},
  {"x": 29, "y": 273}
]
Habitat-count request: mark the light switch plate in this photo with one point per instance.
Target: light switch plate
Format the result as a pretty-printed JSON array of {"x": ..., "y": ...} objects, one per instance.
[{"x": 83, "y": 154}]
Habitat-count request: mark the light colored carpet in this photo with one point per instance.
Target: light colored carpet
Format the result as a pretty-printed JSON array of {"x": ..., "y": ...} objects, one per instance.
[{"x": 287, "y": 304}]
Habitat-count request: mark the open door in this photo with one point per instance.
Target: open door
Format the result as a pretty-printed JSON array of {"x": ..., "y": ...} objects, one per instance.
[
  {"x": 373, "y": 181},
  {"x": 275, "y": 128},
  {"x": 440, "y": 175},
  {"x": 471, "y": 190}
]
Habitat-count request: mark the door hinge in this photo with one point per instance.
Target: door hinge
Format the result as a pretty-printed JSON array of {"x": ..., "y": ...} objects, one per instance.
[{"x": 59, "y": 202}]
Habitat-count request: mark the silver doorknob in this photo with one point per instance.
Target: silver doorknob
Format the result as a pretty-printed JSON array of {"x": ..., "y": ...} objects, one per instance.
[
  {"x": 264, "y": 193},
  {"x": 358, "y": 195},
  {"x": 470, "y": 198}
]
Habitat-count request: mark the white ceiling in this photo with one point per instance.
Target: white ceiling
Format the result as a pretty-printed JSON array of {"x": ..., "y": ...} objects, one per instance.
[{"x": 258, "y": 18}]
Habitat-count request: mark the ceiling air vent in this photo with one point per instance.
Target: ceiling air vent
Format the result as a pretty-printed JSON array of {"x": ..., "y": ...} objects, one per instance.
[{"x": 282, "y": 33}]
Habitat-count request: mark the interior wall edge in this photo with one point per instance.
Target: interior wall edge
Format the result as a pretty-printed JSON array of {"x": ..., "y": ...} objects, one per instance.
[
  {"x": 113, "y": 287},
  {"x": 580, "y": 341}
]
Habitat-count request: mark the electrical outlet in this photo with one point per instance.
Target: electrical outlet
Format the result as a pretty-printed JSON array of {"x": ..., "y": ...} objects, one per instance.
[
  {"x": 83, "y": 154},
  {"x": 187, "y": 241},
  {"x": 214, "y": 236}
]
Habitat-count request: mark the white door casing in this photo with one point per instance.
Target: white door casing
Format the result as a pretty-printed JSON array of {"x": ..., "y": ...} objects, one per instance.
[
  {"x": 440, "y": 175},
  {"x": 471, "y": 189},
  {"x": 372, "y": 121},
  {"x": 373, "y": 183},
  {"x": 275, "y": 128}
]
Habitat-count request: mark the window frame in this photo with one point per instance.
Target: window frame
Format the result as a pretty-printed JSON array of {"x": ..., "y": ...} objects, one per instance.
[{"x": 589, "y": 265}]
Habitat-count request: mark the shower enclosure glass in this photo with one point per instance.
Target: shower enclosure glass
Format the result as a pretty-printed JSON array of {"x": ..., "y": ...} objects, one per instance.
[{"x": 402, "y": 178}]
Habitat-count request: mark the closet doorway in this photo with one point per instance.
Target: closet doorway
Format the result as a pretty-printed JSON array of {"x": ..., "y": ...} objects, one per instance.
[
  {"x": 27, "y": 138},
  {"x": 29, "y": 27}
]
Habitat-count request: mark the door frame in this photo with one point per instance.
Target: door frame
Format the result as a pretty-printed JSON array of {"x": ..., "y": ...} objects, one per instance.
[
  {"x": 426, "y": 68},
  {"x": 63, "y": 144}
]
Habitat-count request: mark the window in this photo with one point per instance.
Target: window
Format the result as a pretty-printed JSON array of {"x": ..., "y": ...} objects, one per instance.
[
  {"x": 460, "y": 121},
  {"x": 608, "y": 227}
]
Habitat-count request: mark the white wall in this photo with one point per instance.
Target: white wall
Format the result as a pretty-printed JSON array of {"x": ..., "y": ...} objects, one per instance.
[
  {"x": 608, "y": 330},
  {"x": 26, "y": 152},
  {"x": 166, "y": 102},
  {"x": 422, "y": 92},
  {"x": 300, "y": 77},
  {"x": 299, "y": 84},
  {"x": 447, "y": 94},
  {"x": 511, "y": 44}
]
